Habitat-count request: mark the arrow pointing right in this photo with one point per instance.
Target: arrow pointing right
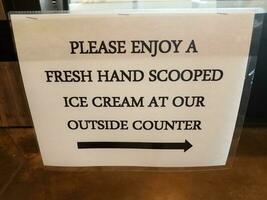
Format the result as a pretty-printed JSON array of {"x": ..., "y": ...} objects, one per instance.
[
  {"x": 187, "y": 145},
  {"x": 134, "y": 145}
]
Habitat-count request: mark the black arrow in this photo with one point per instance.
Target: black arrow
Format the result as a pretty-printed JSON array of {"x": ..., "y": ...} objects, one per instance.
[{"x": 134, "y": 145}]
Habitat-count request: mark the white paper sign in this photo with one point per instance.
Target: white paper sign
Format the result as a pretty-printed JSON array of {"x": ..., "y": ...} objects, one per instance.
[{"x": 139, "y": 89}]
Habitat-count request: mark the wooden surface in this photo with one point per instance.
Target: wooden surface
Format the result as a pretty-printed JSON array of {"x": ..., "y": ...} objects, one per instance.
[
  {"x": 245, "y": 180},
  {"x": 2, "y": 11},
  {"x": 13, "y": 105}
]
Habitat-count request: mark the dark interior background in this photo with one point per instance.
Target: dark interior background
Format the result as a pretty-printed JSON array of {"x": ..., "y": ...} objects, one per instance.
[{"x": 257, "y": 107}]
